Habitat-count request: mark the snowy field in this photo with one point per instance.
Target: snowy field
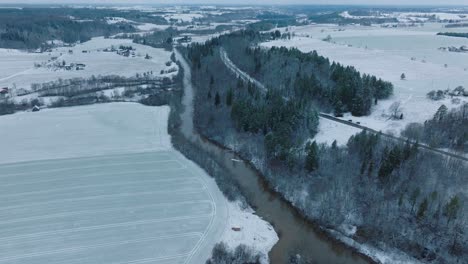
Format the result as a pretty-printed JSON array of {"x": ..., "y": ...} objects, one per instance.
[
  {"x": 17, "y": 68},
  {"x": 407, "y": 17},
  {"x": 102, "y": 184},
  {"x": 84, "y": 131},
  {"x": 182, "y": 17},
  {"x": 328, "y": 131},
  {"x": 387, "y": 53},
  {"x": 139, "y": 26}
]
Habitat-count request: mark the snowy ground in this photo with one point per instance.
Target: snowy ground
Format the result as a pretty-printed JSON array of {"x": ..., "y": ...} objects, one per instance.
[
  {"x": 15, "y": 62},
  {"x": 414, "y": 16},
  {"x": 17, "y": 68},
  {"x": 387, "y": 53},
  {"x": 95, "y": 130},
  {"x": 182, "y": 17},
  {"x": 140, "y": 26},
  {"x": 121, "y": 195},
  {"x": 328, "y": 131},
  {"x": 256, "y": 233}
]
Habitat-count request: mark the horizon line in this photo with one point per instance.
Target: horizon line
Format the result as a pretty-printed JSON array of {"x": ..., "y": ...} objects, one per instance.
[{"x": 227, "y": 4}]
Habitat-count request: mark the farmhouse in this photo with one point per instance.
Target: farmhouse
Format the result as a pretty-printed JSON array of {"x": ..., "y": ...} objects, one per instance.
[
  {"x": 185, "y": 39},
  {"x": 4, "y": 90},
  {"x": 79, "y": 66}
]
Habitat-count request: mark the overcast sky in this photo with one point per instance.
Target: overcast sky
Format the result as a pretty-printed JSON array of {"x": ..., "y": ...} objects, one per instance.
[{"x": 372, "y": 2}]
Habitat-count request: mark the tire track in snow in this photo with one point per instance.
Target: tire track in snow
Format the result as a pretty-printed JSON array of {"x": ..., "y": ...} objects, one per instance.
[
  {"x": 88, "y": 176},
  {"x": 99, "y": 227},
  {"x": 149, "y": 154},
  {"x": 113, "y": 184},
  {"x": 102, "y": 245},
  {"x": 88, "y": 167},
  {"x": 193, "y": 191}
]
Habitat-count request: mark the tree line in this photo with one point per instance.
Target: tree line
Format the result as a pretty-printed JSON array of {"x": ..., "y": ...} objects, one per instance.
[
  {"x": 453, "y": 34},
  {"x": 446, "y": 129},
  {"x": 31, "y": 28}
]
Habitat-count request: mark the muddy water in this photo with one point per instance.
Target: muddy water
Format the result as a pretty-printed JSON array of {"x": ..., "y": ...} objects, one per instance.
[{"x": 296, "y": 235}]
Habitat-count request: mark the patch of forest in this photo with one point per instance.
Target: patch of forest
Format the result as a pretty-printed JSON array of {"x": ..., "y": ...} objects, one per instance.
[
  {"x": 157, "y": 39},
  {"x": 397, "y": 195},
  {"x": 302, "y": 76},
  {"x": 31, "y": 28},
  {"x": 456, "y": 25},
  {"x": 336, "y": 18},
  {"x": 447, "y": 129},
  {"x": 453, "y": 34}
]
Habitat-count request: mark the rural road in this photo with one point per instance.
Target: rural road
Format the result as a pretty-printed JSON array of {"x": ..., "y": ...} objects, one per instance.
[{"x": 246, "y": 77}]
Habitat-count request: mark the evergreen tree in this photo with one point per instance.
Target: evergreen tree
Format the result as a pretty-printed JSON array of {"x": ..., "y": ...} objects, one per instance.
[
  {"x": 240, "y": 83},
  {"x": 217, "y": 99},
  {"x": 229, "y": 97},
  {"x": 414, "y": 197},
  {"x": 312, "y": 162},
  {"x": 422, "y": 209},
  {"x": 452, "y": 208},
  {"x": 334, "y": 144},
  {"x": 441, "y": 113},
  {"x": 390, "y": 161},
  {"x": 370, "y": 169},
  {"x": 339, "y": 109}
]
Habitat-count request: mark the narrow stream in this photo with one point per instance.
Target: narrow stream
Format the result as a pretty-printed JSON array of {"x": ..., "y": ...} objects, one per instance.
[{"x": 296, "y": 235}]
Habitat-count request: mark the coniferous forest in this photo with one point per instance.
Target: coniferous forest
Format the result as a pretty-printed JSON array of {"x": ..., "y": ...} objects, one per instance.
[
  {"x": 391, "y": 191},
  {"x": 32, "y": 28}
]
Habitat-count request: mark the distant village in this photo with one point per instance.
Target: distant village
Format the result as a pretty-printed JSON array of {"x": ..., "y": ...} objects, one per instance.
[
  {"x": 55, "y": 64},
  {"x": 126, "y": 51}
]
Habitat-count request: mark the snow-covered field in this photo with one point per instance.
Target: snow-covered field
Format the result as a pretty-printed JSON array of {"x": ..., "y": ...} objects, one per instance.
[
  {"x": 71, "y": 132},
  {"x": 140, "y": 26},
  {"x": 102, "y": 184},
  {"x": 17, "y": 68},
  {"x": 413, "y": 16},
  {"x": 15, "y": 62},
  {"x": 182, "y": 17},
  {"x": 387, "y": 53}
]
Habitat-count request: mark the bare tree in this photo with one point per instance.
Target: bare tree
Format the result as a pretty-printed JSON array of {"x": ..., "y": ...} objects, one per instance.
[{"x": 396, "y": 111}]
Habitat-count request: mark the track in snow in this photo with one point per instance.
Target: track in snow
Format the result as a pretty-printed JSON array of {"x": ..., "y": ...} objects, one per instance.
[{"x": 133, "y": 208}]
